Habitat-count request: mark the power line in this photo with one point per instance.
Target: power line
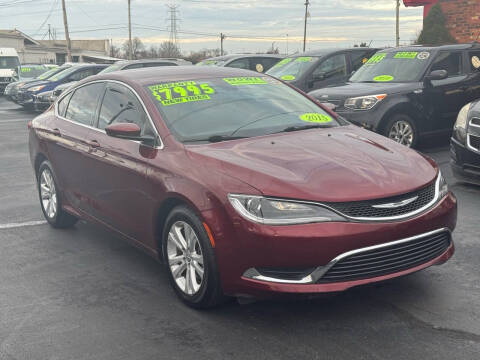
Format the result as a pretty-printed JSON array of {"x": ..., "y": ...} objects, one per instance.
[{"x": 54, "y": 2}]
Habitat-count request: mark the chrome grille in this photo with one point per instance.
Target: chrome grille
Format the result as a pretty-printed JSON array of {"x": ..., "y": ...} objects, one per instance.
[
  {"x": 389, "y": 259},
  {"x": 474, "y": 141},
  {"x": 365, "y": 209}
]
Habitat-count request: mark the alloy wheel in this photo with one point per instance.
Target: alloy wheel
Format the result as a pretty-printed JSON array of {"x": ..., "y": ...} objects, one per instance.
[
  {"x": 185, "y": 258},
  {"x": 402, "y": 132},
  {"x": 48, "y": 193}
]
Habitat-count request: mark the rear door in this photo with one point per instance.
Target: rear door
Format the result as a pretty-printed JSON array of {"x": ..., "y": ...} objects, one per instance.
[
  {"x": 116, "y": 169},
  {"x": 67, "y": 146}
]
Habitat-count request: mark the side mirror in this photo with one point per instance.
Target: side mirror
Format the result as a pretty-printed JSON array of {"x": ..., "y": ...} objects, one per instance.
[
  {"x": 330, "y": 106},
  {"x": 127, "y": 131},
  {"x": 437, "y": 75}
]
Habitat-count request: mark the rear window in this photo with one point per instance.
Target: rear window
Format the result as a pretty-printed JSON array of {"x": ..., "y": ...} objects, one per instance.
[
  {"x": 290, "y": 69},
  {"x": 197, "y": 110}
]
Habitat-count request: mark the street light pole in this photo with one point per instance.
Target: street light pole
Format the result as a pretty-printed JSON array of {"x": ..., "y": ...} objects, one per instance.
[
  {"x": 398, "y": 24},
  {"x": 305, "y": 28},
  {"x": 130, "y": 45}
]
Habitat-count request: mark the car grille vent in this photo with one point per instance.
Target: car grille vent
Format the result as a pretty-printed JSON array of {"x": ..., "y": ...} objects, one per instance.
[
  {"x": 475, "y": 122},
  {"x": 475, "y": 142},
  {"x": 366, "y": 209},
  {"x": 389, "y": 259}
]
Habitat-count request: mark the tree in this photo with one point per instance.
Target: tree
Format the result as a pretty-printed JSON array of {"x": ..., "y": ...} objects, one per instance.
[
  {"x": 115, "y": 52},
  {"x": 362, "y": 44},
  {"x": 137, "y": 47},
  {"x": 435, "y": 31},
  {"x": 168, "y": 49}
]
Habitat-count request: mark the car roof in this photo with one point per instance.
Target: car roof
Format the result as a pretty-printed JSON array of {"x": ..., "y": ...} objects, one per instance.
[
  {"x": 239, "y": 56},
  {"x": 473, "y": 45},
  {"x": 327, "y": 51},
  {"x": 164, "y": 74},
  {"x": 148, "y": 61}
]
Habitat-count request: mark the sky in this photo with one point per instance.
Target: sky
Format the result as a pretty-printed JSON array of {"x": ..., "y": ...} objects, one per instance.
[{"x": 249, "y": 25}]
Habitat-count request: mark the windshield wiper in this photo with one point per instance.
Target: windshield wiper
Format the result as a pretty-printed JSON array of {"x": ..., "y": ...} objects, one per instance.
[
  {"x": 304, "y": 127},
  {"x": 216, "y": 138}
]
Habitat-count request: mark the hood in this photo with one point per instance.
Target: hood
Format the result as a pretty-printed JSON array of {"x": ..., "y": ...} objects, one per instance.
[
  {"x": 331, "y": 165},
  {"x": 35, "y": 83},
  {"x": 6, "y": 72},
  {"x": 349, "y": 89}
]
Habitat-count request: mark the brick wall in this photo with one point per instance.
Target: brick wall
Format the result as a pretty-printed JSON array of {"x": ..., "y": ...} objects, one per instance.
[{"x": 463, "y": 19}]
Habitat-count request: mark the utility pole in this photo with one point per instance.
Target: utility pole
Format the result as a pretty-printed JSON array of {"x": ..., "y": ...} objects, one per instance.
[
  {"x": 49, "y": 32},
  {"x": 222, "y": 37},
  {"x": 398, "y": 24},
  {"x": 67, "y": 35},
  {"x": 305, "y": 28},
  {"x": 130, "y": 44},
  {"x": 287, "y": 45}
]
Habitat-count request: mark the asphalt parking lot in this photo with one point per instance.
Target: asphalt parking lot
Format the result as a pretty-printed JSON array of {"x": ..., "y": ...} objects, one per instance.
[{"x": 86, "y": 294}]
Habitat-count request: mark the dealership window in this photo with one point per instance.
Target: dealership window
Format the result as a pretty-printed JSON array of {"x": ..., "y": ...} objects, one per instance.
[
  {"x": 120, "y": 105},
  {"x": 450, "y": 61},
  {"x": 83, "y": 104}
]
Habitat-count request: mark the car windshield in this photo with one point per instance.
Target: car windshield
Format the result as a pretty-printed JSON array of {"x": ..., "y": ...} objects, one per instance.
[
  {"x": 31, "y": 71},
  {"x": 211, "y": 63},
  {"x": 63, "y": 74},
  {"x": 218, "y": 109},
  {"x": 400, "y": 66},
  {"x": 50, "y": 73},
  {"x": 9, "y": 62},
  {"x": 290, "y": 69},
  {"x": 111, "y": 68}
]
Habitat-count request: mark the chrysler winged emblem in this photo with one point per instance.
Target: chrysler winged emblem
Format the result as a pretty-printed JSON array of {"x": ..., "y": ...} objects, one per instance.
[{"x": 397, "y": 204}]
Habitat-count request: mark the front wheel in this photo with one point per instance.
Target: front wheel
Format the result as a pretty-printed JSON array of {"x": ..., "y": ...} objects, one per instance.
[
  {"x": 401, "y": 128},
  {"x": 50, "y": 200},
  {"x": 190, "y": 259}
]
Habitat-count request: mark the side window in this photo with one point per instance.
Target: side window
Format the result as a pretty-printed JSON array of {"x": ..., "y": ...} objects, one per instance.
[
  {"x": 331, "y": 68},
  {"x": 474, "y": 60},
  {"x": 450, "y": 61},
  {"x": 240, "y": 64},
  {"x": 83, "y": 103},
  {"x": 62, "y": 105},
  {"x": 159, "y": 64},
  {"x": 120, "y": 105},
  {"x": 359, "y": 58},
  {"x": 262, "y": 64},
  {"x": 80, "y": 75},
  {"x": 133, "y": 66}
]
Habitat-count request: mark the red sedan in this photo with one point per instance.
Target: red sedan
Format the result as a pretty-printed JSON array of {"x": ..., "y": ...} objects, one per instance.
[{"x": 240, "y": 184}]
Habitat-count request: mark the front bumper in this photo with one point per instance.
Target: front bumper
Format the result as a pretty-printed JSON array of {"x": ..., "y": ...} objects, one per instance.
[
  {"x": 465, "y": 163},
  {"x": 314, "y": 246},
  {"x": 42, "y": 102}
]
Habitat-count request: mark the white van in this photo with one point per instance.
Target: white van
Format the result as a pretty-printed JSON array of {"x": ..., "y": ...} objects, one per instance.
[{"x": 8, "y": 63}]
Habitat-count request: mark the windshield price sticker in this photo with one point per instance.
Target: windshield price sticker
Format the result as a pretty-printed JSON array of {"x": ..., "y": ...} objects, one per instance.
[
  {"x": 303, "y": 59},
  {"x": 288, "y": 77},
  {"x": 245, "y": 81},
  {"x": 406, "y": 55},
  {"x": 375, "y": 59},
  {"x": 383, "y": 78},
  {"x": 181, "y": 92},
  {"x": 476, "y": 62},
  {"x": 315, "y": 118},
  {"x": 424, "y": 55},
  {"x": 26, "y": 69},
  {"x": 283, "y": 62}
]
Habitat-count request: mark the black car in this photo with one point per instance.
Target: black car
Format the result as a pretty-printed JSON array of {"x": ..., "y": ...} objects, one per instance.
[
  {"x": 406, "y": 93},
  {"x": 465, "y": 144},
  {"x": 257, "y": 62},
  {"x": 320, "y": 68},
  {"x": 136, "y": 64}
]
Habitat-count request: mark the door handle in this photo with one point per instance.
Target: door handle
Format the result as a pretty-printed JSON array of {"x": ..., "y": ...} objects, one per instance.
[
  {"x": 93, "y": 143},
  {"x": 56, "y": 132}
]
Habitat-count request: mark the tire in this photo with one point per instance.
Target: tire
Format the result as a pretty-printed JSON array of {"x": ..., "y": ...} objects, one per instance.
[
  {"x": 402, "y": 129},
  {"x": 203, "y": 290},
  {"x": 50, "y": 201}
]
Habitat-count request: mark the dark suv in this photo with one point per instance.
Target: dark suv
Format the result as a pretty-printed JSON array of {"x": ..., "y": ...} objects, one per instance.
[
  {"x": 405, "y": 93},
  {"x": 317, "y": 69}
]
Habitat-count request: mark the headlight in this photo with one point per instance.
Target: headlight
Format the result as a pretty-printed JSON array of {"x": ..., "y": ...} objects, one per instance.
[
  {"x": 36, "y": 88},
  {"x": 442, "y": 186},
  {"x": 364, "y": 102},
  {"x": 460, "y": 128},
  {"x": 270, "y": 211}
]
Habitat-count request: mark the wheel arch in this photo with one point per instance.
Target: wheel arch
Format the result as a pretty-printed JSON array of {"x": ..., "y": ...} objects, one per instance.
[
  {"x": 400, "y": 108},
  {"x": 39, "y": 159}
]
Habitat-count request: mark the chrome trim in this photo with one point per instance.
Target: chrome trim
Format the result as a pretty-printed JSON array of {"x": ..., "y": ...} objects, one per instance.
[
  {"x": 320, "y": 271},
  {"x": 470, "y": 123},
  {"x": 435, "y": 199},
  {"x": 65, "y": 93},
  {"x": 469, "y": 145},
  {"x": 395, "y": 205}
]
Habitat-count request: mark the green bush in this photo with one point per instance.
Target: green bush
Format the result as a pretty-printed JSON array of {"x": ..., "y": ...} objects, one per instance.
[{"x": 434, "y": 30}]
